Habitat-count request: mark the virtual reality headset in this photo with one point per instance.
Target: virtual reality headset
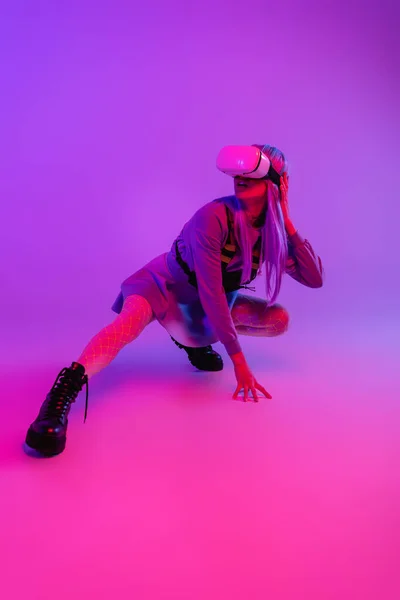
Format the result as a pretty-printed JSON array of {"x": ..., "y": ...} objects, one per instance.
[{"x": 246, "y": 161}]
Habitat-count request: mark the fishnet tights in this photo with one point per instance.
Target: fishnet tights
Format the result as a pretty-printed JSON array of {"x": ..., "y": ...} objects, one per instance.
[
  {"x": 251, "y": 316},
  {"x": 103, "y": 348}
]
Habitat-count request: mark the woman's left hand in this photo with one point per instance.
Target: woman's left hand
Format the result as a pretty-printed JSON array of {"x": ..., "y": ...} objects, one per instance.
[{"x": 284, "y": 189}]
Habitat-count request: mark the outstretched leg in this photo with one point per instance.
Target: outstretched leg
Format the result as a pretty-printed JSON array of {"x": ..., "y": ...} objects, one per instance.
[
  {"x": 136, "y": 314},
  {"x": 253, "y": 316},
  {"x": 48, "y": 433}
]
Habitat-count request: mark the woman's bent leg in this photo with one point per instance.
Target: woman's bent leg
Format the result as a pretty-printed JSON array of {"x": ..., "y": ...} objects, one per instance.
[{"x": 253, "y": 316}]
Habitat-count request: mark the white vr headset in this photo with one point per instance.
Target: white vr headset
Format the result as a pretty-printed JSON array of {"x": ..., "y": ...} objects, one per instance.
[{"x": 246, "y": 161}]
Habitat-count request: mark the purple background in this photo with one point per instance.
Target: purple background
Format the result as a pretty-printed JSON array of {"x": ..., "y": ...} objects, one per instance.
[{"x": 112, "y": 115}]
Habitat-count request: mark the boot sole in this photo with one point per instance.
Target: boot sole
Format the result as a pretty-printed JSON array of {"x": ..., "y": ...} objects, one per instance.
[
  {"x": 45, "y": 444},
  {"x": 213, "y": 368}
]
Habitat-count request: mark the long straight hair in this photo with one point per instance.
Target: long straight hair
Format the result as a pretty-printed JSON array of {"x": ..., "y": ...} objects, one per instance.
[{"x": 274, "y": 248}]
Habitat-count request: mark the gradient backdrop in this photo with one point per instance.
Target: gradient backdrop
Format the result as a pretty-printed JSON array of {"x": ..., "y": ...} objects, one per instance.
[{"x": 112, "y": 114}]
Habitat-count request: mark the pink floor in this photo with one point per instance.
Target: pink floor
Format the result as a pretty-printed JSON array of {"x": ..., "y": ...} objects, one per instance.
[{"x": 172, "y": 490}]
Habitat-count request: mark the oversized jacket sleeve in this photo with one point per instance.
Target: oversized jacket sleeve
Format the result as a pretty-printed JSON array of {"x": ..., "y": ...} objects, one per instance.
[
  {"x": 206, "y": 241},
  {"x": 303, "y": 264}
]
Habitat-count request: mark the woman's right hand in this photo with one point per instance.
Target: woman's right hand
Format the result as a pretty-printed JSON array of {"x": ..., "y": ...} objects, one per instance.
[{"x": 246, "y": 380}]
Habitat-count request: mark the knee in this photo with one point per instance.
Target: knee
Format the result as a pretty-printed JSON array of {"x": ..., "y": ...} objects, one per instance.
[
  {"x": 279, "y": 318},
  {"x": 138, "y": 306}
]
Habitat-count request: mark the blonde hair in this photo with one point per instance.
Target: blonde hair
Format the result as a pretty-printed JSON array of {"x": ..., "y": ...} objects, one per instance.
[{"x": 274, "y": 248}]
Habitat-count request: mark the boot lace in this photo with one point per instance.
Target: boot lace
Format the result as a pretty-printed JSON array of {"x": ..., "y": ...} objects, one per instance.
[{"x": 63, "y": 393}]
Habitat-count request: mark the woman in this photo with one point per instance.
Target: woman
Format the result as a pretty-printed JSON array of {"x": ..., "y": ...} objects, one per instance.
[{"x": 193, "y": 290}]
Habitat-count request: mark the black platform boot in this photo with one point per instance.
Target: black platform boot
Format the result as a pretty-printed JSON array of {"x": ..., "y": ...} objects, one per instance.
[
  {"x": 48, "y": 433},
  {"x": 204, "y": 359}
]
